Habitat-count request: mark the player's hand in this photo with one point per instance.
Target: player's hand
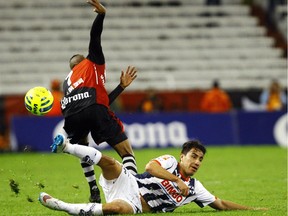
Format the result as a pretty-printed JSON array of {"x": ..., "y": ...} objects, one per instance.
[
  {"x": 184, "y": 189},
  {"x": 127, "y": 77},
  {"x": 98, "y": 7}
]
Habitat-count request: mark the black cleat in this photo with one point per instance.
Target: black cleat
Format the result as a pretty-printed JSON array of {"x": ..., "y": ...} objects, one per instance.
[
  {"x": 95, "y": 195},
  {"x": 84, "y": 213}
]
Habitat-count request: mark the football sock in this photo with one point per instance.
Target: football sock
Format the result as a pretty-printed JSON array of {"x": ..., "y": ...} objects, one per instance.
[
  {"x": 89, "y": 174},
  {"x": 129, "y": 163},
  {"x": 84, "y": 209},
  {"x": 73, "y": 209},
  {"x": 87, "y": 154}
]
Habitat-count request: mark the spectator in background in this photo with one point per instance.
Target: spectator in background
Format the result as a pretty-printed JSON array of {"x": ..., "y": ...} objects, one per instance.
[
  {"x": 216, "y": 100},
  {"x": 273, "y": 98},
  {"x": 57, "y": 94},
  {"x": 151, "y": 103}
]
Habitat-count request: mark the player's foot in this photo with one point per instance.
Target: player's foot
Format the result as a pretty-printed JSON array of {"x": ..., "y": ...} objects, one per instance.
[
  {"x": 72, "y": 209},
  {"x": 95, "y": 195},
  {"x": 99, "y": 8},
  {"x": 59, "y": 144},
  {"x": 85, "y": 213},
  {"x": 50, "y": 202}
]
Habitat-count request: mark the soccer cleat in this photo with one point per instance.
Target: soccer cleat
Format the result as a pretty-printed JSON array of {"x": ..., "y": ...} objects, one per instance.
[
  {"x": 59, "y": 144},
  {"x": 50, "y": 202},
  {"x": 85, "y": 213},
  {"x": 95, "y": 195}
]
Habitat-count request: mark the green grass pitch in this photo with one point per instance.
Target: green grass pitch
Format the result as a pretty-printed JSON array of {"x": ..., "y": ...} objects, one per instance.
[{"x": 252, "y": 175}]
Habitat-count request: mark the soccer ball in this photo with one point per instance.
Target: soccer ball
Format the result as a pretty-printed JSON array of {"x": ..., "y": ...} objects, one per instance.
[{"x": 39, "y": 100}]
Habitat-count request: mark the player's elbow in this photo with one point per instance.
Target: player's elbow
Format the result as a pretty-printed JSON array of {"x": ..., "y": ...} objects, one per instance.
[{"x": 150, "y": 167}]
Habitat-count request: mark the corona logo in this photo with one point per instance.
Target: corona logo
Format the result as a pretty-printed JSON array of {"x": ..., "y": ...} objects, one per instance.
[
  {"x": 66, "y": 100},
  {"x": 157, "y": 134}
]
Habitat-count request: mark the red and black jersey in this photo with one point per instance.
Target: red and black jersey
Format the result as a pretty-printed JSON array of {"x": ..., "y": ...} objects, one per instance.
[{"x": 84, "y": 86}]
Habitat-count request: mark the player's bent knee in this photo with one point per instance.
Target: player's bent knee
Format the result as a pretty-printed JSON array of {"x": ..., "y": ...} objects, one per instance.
[
  {"x": 108, "y": 162},
  {"x": 117, "y": 207},
  {"x": 111, "y": 168}
]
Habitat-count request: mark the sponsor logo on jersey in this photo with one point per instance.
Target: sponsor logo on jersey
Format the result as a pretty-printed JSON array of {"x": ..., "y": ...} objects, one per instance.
[
  {"x": 172, "y": 191},
  {"x": 75, "y": 85},
  {"x": 80, "y": 96}
]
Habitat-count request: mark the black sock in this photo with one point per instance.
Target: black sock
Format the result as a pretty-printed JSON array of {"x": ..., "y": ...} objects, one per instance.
[
  {"x": 129, "y": 163},
  {"x": 89, "y": 175}
]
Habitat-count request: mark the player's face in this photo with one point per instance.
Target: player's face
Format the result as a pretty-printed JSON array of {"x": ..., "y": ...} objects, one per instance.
[{"x": 191, "y": 162}]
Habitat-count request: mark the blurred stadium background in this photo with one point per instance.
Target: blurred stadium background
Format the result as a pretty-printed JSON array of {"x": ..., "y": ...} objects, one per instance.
[{"x": 179, "y": 47}]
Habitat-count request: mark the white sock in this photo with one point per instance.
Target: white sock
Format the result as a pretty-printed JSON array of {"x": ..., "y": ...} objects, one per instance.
[
  {"x": 86, "y": 153},
  {"x": 75, "y": 209}
]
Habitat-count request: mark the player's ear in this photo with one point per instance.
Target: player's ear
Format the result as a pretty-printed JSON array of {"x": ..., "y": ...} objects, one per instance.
[{"x": 181, "y": 156}]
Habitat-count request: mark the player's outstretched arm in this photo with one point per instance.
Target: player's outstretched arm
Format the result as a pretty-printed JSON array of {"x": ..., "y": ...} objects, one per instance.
[
  {"x": 126, "y": 79},
  {"x": 98, "y": 7},
  {"x": 219, "y": 204}
]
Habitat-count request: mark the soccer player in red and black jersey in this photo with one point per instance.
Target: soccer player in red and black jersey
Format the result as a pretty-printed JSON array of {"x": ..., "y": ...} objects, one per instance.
[{"x": 85, "y": 104}]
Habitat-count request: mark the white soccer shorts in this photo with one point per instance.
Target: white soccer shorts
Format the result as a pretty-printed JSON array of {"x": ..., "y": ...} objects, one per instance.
[{"x": 125, "y": 187}]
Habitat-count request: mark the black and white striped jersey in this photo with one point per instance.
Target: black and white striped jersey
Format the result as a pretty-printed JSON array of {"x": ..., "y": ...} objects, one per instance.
[{"x": 163, "y": 195}]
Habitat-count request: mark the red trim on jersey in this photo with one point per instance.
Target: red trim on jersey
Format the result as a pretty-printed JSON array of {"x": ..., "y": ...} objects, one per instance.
[{"x": 157, "y": 162}]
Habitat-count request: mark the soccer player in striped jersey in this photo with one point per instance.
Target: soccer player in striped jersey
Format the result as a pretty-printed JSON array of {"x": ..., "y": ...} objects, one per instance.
[
  {"x": 85, "y": 104},
  {"x": 166, "y": 185}
]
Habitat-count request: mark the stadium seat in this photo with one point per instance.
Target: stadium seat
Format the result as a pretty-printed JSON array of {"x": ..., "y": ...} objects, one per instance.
[{"x": 180, "y": 44}]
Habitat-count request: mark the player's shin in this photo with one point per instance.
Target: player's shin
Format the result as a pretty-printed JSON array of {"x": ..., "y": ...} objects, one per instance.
[
  {"x": 90, "y": 177},
  {"x": 129, "y": 163},
  {"x": 87, "y": 154}
]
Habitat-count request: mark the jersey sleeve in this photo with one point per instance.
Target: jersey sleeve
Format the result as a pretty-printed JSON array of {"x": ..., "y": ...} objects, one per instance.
[
  {"x": 115, "y": 93},
  {"x": 168, "y": 162},
  {"x": 95, "y": 49},
  {"x": 203, "y": 196}
]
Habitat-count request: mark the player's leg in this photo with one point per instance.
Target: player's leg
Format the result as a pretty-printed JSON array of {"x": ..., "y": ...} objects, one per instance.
[
  {"x": 78, "y": 134},
  {"x": 117, "y": 207},
  {"x": 114, "y": 207},
  {"x": 111, "y": 170},
  {"x": 74, "y": 133},
  {"x": 122, "y": 146},
  {"x": 125, "y": 151},
  {"x": 116, "y": 137},
  {"x": 89, "y": 174}
]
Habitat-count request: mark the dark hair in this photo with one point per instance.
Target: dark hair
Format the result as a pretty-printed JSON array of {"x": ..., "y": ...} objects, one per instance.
[
  {"x": 73, "y": 64},
  {"x": 216, "y": 84},
  {"x": 187, "y": 146},
  {"x": 73, "y": 57}
]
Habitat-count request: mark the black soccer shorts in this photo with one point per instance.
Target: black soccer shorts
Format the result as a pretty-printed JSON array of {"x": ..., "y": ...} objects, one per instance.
[{"x": 103, "y": 124}]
